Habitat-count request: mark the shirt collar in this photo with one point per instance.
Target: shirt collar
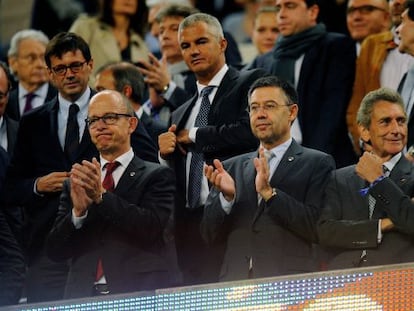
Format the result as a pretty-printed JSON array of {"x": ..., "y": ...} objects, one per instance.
[
  {"x": 41, "y": 91},
  {"x": 280, "y": 150},
  {"x": 82, "y": 102},
  {"x": 123, "y": 159},
  {"x": 216, "y": 79},
  {"x": 393, "y": 161}
]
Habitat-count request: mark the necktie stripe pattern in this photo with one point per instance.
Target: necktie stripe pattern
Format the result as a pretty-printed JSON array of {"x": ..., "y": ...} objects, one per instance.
[
  {"x": 72, "y": 133},
  {"x": 371, "y": 199},
  {"x": 197, "y": 158}
]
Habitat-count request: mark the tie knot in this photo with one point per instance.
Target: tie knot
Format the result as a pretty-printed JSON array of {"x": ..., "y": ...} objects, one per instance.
[
  {"x": 269, "y": 155},
  {"x": 111, "y": 166},
  {"x": 29, "y": 96},
  {"x": 73, "y": 109},
  {"x": 385, "y": 170},
  {"x": 206, "y": 91}
]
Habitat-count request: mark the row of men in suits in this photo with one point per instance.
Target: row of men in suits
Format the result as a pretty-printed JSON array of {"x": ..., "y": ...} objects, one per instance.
[
  {"x": 41, "y": 160},
  {"x": 270, "y": 210},
  {"x": 39, "y": 168}
]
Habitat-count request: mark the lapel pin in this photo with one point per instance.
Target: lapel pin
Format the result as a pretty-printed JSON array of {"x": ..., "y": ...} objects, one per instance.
[
  {"x": 290, "y": 159},
  {"x": 132, "y": 174}
]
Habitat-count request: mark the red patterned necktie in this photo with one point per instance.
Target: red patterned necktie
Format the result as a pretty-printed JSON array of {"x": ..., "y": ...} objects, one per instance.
[
  {"x": 108, "y": 182},
  {"x": 109, "y": 185}
]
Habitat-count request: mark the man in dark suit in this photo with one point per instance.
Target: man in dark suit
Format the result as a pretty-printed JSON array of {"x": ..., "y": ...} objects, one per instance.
[
  {"x": 321, "y": 66},
  {"x": 26, "y": 59},
  {"x": 45, "y": 151},
  {"x": 214, "y": 125},
  {"x": 12, "y": 263},
  {"x": 266, "y": 212},
  {"x": 125, "y": 78},
  {"x": 121, "y": 225},
  {"x": 8, "y": 127},
  {"x": 366, "y": 218},
  {"x": 41, "y": 161}
]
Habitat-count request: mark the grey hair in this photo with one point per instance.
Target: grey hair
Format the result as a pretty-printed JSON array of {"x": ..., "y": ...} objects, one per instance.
[
  {"x": 373, "y": 97},
  {"x": 21, "y": 35},
  {"x": 213, "y": 23}
]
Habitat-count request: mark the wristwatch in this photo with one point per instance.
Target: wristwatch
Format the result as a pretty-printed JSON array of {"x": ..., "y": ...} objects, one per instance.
[{"x": 164, "y": 89}]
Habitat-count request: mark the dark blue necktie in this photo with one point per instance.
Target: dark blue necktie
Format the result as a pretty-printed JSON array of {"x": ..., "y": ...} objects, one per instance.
[
  {"x": 197, "y": 158},
  {"x": 72, "y": 133}
]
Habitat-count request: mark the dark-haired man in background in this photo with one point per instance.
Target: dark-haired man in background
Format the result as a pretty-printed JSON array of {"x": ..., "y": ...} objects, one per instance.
[{"x": 321, "y": 66}]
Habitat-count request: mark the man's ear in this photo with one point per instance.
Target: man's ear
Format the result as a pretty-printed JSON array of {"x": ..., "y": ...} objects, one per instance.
[
  {"x": 364, "y": 134},
  {"x": 133, "y": 123},
  {"x": 127, "y": 91}
]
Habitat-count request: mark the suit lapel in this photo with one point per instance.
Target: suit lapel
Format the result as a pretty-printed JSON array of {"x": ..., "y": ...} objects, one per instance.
[
  {"x": 129, "y": 178},
  {"x": 86, "y": 141},
  {"x": 225, "y": 84},
  {"x": 288, "y": 161},
  {"x": 182, "y": 115},
  {"x": 401, "y": 172},
  {"x": 52, "y": 111}
]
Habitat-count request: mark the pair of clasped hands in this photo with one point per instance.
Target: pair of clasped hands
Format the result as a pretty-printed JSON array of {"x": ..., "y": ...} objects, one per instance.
[
  {"x": 370, "y": 168},
  {"x": 85, "y": 187}
]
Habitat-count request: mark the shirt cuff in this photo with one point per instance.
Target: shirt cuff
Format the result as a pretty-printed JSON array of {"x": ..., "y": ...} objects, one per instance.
[
  {"x": 78, "y": 221},
  {"x": 379, "y": 235},
  {"x": 192, "y": 134},
  {"x": 226, "y": 205},
  {"x": 35, "y": 188}
]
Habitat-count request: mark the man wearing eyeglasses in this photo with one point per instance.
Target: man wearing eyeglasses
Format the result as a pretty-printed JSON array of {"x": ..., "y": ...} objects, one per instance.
[
  {"x": 119, "y": 224},
  {"x": 26, "y": 57},
  {"x": 50, "y": 140},
  {"x": 48, "y": 143},
  {"x": 264, "y": 205},
  {"x": 367, "y": 17}
]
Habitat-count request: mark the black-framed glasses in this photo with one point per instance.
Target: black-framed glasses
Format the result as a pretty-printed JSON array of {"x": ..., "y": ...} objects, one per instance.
[
  {"x": 108, "y": 119},
  {"x": 363, "y": 9},
  {"x": 75, "y": 67},
  {"x": 267, "y": 107}
]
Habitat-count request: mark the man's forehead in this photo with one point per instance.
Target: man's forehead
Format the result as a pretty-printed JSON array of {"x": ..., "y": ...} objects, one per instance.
[
  {"x": 385, "y": 108},
  {"x": 379, "y": 3}
]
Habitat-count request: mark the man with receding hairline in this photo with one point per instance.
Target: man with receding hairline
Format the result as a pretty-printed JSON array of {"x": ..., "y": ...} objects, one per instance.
[{"x": 112, "y": 220}]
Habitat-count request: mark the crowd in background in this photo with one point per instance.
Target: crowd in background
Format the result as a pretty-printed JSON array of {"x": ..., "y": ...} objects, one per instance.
[{"x": 194, "y": 94}]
